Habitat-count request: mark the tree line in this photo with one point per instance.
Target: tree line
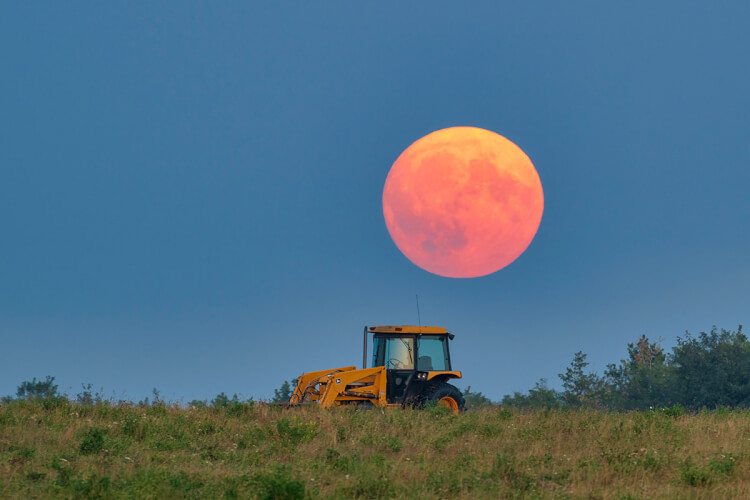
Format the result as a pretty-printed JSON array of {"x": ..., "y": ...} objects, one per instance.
[
  {"x": 710, "y": 370},
  {"x": 47, "y": 392}
]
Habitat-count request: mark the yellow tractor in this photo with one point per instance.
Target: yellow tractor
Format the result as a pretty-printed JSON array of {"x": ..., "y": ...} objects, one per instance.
[{"x": 410, "y": 367}]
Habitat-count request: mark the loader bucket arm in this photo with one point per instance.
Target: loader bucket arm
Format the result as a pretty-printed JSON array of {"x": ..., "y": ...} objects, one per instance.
[
  {"x": 357, "y": 385},
  {"x": 342, "y": 386},
  {"x": 307, "y": 382}
]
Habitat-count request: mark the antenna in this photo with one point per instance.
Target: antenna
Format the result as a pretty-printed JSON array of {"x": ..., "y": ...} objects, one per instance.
[{"x": 419, "y": 316}]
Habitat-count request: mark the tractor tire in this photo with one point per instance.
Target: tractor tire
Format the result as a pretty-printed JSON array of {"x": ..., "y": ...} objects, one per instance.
[{"x": 443, "y": 394}]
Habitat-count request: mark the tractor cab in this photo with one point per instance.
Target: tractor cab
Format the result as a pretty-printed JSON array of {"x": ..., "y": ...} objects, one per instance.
[{"x": 413, "y": 356}]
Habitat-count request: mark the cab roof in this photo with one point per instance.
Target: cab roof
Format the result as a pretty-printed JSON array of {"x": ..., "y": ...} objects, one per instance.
[{"x": 424, "y": 330}]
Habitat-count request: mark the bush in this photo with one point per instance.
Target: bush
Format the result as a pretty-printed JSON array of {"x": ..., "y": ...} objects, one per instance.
[
  {"x": 278, "y": 485},
  {"x": 693, "y": 475},
  {"x": 92, "y": 442},
  {"x": 37, "y": 389},
  {"x": 294, "y": 432},
  {"x": 475, "y": 399},
  {"x": 676, "y": 410}
]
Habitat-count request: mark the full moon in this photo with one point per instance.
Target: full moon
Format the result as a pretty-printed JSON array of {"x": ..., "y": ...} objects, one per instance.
[{"x": 462, "y": 202}]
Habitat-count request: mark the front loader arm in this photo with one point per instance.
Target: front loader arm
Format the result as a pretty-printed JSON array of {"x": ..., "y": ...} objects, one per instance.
[
  {"x": 307, "y": 382},
  {"x": 368, "y": 384},
  {"x": 342, "y": 385}
]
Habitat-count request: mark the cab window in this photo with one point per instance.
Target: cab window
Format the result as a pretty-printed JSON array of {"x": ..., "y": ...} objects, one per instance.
[
  {"x": 394, "y": 353},
  {"x": 432, "y": 354}
]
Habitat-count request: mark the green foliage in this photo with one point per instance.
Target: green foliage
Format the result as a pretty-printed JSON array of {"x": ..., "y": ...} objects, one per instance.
[
  {"x": 157, "y": 401},
  {"x": 475, "y": 399},
  {"x": 278, "y": 485},
  {"x": 395, "y": 444},
  {"x": 37, "y": 389},
  {"x": 711, "y": 371},
  {"x": 676, "y": 410},
  {"x": 91, "y": 487},
  {"x": 206, "y": 428},
  {"x": 134, "y": 426},
  {"x": 238, "y": 409},
  {"x": 540, "y": 397},
  {"x": 693, "y": 475},
  {"x": 505, "y": 468},
  {"x": 645, "y": 380},
  {"x": 22, "y": 454},
  {"x": 284, "y": 393},
  {"x": 184, "y": 483},
  {"x": 87, "y": 396},
  {"x": 370, "y": 486},
  {"x": 293, "y": 432},
  {"x": 222, "y": 400},
  {"x": 92, "y": 442},
  {"x": 724, "y": 464},
  {"x": 581, "y": 389}
]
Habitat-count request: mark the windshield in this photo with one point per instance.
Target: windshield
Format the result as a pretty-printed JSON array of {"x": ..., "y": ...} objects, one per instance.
[{"x": 394, "y": 353}]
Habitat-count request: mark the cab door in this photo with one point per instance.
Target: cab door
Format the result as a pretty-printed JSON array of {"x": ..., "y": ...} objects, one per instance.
[{"x": 397, "y": 354}]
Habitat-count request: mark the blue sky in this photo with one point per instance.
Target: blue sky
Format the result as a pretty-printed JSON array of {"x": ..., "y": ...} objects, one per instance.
[{"x": 190, "y": 193}]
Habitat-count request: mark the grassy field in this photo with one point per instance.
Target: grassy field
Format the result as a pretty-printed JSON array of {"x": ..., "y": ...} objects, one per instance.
[{"x": 246, "y": 450}]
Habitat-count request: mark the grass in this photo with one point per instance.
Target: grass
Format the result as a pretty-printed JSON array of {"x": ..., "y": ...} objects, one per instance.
[{"x": 247, "y": 450}]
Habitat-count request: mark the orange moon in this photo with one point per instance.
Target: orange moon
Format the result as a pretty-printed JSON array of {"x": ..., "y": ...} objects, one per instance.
[{"x": 463, "y": 202}]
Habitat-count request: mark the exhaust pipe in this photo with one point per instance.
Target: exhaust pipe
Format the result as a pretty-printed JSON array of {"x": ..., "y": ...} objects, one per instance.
[{"x": 364, "y": 355}]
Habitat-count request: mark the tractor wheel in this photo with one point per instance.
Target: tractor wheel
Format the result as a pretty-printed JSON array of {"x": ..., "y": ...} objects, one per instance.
[{"x": 443, "y": 394}]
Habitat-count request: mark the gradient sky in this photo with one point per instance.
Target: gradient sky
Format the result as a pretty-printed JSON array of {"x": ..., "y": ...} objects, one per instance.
[{"x": 190, "y": 193}]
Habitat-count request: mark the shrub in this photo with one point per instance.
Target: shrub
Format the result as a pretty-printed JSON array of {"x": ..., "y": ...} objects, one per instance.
[
  {"x": 239, "y": 409},
  {"x": 724, "y": 464},
  {"x": 22, "y": 454},
  {"x": 92, "y": 442},
  {"x": 295, "y": 432},
  {"x": 185, "y": 483},
  {"x": 278, "y": 485},
  {"x": 395, "y": 444},
  {"x": 505, "y": 469},
  {"x": 693, "y": 475},
  {"x": 85, "y": 397},
  {"x": 475, "y": 399},
  {"x": 676, "y": 410},
  {"x": 134, "y": 427},
  {"x": 369, "y": 486},
  {"x": 206, "y": 428}
]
